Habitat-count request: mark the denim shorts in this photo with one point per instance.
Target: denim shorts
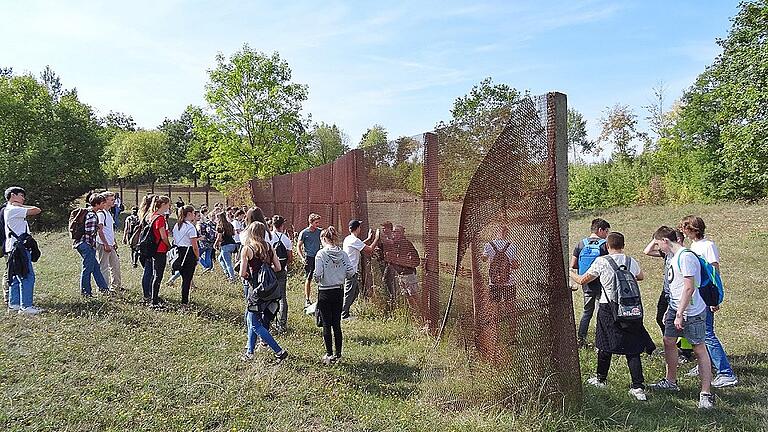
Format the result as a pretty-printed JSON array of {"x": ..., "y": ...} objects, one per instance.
[{"x": 694, "y": 327}]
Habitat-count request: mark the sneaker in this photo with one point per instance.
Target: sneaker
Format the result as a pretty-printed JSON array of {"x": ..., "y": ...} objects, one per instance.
[
  {"x": 337, "y": 358},
  {"x": 13, "y": 308},
  {"x": 638, "y": 394},
  {"x": 31, "y": 310},
  {"x": 349, "y": 318},
  {"x": 722, "y": 380},
  {"x": 694, "y": 372},
  {"x": 595, "y": 381},
  {"x": 307, "y": 303},
  {"x": 282, "y": 355},
  {"x": 706, "y": 400},
  {"x": 86, "y": 296},
  {"x": 665, "y": 384},
  {"x": 326, "y": 359},
  {"x": 107, "y": 292},
  {"x": 246, "y": 356}
]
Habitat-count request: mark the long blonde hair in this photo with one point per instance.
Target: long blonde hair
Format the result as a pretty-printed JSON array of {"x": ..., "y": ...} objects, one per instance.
[
  {"x": 146, "y": 203},
  {"x": 182, "y": 214},
  {"x": 254, "y": 237}
]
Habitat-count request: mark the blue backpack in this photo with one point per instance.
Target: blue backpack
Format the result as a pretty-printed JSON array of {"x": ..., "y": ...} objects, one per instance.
[
  {"x": 589, "y": 253},
  {"x": 711, "y": 286}
]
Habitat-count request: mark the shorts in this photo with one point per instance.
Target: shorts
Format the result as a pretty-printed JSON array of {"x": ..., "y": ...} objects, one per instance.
[
  {"x": 694, "y": 327},
  {"x": 309, "y": 267},
  {"x": 409, "y": 284}
]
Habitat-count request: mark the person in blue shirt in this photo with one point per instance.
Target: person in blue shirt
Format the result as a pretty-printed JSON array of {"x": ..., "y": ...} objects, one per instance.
[{"x": 309, "y": 245}]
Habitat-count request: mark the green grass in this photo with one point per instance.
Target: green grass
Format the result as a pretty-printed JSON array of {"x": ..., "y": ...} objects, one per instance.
[{"x": 114, "y": 365}]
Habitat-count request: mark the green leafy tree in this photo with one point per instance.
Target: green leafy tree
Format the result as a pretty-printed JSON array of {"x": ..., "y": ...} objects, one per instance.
[
  {"x": 724, "y": 112},
  {"x": 578, "y": 142},
  {"x": 138, "y": 156},
  {"x": 180, "y": 134},
  {"x": 327, "y": 143},
  {"x": 252, "y": 127},
  {"x": 375, "y": 146},
  {"x": 619, "y": 128},
  {"x": 50, "y": 144},
  {"x": 405, "y": 148}
]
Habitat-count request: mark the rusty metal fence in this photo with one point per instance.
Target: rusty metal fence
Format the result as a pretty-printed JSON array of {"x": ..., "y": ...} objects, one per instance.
[{"x": 473, "y": 244}]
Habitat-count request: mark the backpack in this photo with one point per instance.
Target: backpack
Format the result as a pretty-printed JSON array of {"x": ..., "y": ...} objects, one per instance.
[
  {"x": 711, "y": 286},
  {"x": 77, "y": 223},
  {"x": 2, "y": 230},
  {"x": 589, "y": 253},
  {"x": 628, "y": 307},
  {"x": 133, "y": 232},
  {"x": 500, "y": 266},
  {"x": 147, "y": 242},
  {"x": 281, "y": 251},
  {"x": 262, "y": 286}
]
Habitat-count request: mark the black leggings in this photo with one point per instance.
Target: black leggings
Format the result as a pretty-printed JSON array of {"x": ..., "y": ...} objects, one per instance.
[
  {"x": 633, "y": 361},
  {"x": 158, "y": 267},
  {"x": 329, "y": 303}
]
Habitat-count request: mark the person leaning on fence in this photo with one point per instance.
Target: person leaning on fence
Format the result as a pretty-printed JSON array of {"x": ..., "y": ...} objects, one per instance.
[
  {"x": 309, "y": 245},
  {"x": 106, "y": 244},
  {"x": 260, "y": 314},
  {"x": 694, "y": 227},
  {"x": 131, "y": 234},
  {"x": 686, "y": 315},
  {"x": 20, "y": 273},
  {"x": 86, "y": 247},
  {"x": 353, "y": 246},
  {"x": 285, "y": 256},
  {"x": 584, "y": 254},
  {"x": 612, "y": 336},
  {"x": 402, "y": 259},
  {"x": 332, "y": 268}
]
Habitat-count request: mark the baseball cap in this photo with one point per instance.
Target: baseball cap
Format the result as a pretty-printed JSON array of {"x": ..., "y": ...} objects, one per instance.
[{"x": 354, "y": 223}]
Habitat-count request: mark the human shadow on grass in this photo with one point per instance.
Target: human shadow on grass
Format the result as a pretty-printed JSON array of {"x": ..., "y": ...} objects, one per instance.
[
  {"x": 81, "y": 308},
  {"x": 383, "y": 378}
]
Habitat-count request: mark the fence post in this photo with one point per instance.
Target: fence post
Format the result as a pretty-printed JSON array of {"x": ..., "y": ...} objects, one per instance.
[
  {"x": 137, "y": 195},
  {"x": 431, "y": 233},
  {"x": 189, "y": 194}
]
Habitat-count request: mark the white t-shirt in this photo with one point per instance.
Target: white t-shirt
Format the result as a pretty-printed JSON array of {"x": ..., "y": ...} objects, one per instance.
[
  {"x": 183, "y": 236},
  {"x": 278, "y": 236},
  {"x": 511, "y": 252},
  {"x": 685, "y": 264},
  {"x": 603, "y": 269},
  {"x": 706, "y": 249},
  {"x": 16, "y": 220},
  {"x": 108, "y": 222},
  {"x": 352, "y": 247}
]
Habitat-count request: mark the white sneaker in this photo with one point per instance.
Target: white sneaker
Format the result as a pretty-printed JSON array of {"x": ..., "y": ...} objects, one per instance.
[
  {"x": 13, "y": 308},
  {"x": 594, "y": 381},
  {"x": 327, "y": 359},
  {"x": 30, "y": 310},
  {"x": 638, "y": 394},
  {"x": 721, "y": 381},
  {"x": 706, "y": 401},
  {"x": 694, "y": 372}
]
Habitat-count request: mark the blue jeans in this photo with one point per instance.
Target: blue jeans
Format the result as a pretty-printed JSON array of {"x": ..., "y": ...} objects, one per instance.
[
  {"x": 90, "y": 267},
  {"x": 21, "y": 288},
  {"x": 225, "y": 259},
  {"x": 146, "y": 278},
  {"x": 206, "y": 258},
  {"x": 715, "y": 348},
  {"x": 257, "y": 330}
]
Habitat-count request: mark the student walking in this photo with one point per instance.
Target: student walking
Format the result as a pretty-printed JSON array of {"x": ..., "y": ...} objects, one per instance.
[
  {"x": 332, "y": 268},
  {"x": 255, "y": 253},
  {"x": 612, "y": 337},
  {"x": 686, "y": 315},
  {"x": 157, "y": 262},
  {"x": 106, "y": 244},
  {"x": 353, "y": 246},
  {"x": 15, "y": 233},
  {"x": 86, "y": 247},
  {"x": 225, "y": 243},
  {"x": 309, "y": 244},
  {"x": 584, "y": 254},
  {"x": 694, "y": 228},
  {"x": 185, "y": 239}
]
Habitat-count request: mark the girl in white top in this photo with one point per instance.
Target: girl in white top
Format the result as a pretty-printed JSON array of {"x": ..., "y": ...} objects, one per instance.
[{"x": 185, "y": 238}]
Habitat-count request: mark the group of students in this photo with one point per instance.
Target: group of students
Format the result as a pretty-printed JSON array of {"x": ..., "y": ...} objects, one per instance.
[{"x": 599, "y": 263}]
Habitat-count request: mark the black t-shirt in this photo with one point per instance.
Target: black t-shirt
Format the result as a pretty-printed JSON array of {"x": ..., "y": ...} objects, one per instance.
[{"x": 595, "y": 286}]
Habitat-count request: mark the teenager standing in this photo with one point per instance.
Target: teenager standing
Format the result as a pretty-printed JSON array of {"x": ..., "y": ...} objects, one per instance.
[
  {"x": 185, "y": 238},
  {"x": 157, "y": 262},
  {"x": 86, "y": 247},
  {"x": 21, "y": 288},
  {"x": 309, "y": 244},
  {"x": 225, "y": 242}
]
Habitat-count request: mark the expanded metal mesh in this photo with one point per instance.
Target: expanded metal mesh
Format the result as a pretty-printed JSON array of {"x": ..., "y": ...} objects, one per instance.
[{"x": 474, "y": 224}]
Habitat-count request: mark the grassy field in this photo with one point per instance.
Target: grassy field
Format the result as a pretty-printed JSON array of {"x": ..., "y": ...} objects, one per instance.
[{"x": 111, "y": 364}]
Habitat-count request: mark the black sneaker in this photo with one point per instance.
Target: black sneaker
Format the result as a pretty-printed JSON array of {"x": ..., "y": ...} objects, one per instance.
[{"x": 282, "y": 355}]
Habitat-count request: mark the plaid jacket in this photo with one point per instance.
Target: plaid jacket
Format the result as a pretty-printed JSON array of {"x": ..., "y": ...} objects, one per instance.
[{"x": 91, "y": 230}]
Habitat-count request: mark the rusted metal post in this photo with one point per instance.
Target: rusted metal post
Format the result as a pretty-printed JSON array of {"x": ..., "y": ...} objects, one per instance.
[{"x": 431, "y": 211}]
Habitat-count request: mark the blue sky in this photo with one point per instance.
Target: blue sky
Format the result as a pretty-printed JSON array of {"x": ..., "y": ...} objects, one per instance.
[{"x": 399, "y": 64}]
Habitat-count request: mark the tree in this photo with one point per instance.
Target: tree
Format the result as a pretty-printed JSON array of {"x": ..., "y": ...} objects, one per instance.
[
  {"x": 659, "y": 120},
  {"x": 375, "y": 146},
  {"x": 725, "y": 111},
  {"x": 180, "y": 134},
  {"x": 49, "y": 145},
  {"x": 139, "y": 156},
  {"x": 619, "y": 128},
  {"x": 405, "y": 148},
  {"x": 253, "y": 127},
  {"x": 327, "y": 143},
  {"x": 577, "y": 134}
]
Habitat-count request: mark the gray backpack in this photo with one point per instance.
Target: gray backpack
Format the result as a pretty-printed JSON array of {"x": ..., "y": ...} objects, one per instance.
[{"x": 627, "y": 307}]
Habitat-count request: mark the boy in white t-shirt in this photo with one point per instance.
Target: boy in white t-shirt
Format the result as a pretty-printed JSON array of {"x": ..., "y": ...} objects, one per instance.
[
  {"x": 21, "y": 289},
  {"x": 353, "y": 246},
  {"x": 693, "y": 227},
  {"x": 686, "y": 315},
  {"x": 106, "y": 244}
]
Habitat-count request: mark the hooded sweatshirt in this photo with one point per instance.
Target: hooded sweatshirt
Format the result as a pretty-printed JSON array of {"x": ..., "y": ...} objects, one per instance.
[{"x": 332, "y": 267}]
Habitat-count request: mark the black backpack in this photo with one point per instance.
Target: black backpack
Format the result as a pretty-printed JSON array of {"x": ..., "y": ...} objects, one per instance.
[
  {"x": 281, "y": 251},
  {"x": 627, "y": 308},
  {"x": 147, "y": 242},
  {"x": 262, "y": 286},
  {"x": 2, "y": 230}
]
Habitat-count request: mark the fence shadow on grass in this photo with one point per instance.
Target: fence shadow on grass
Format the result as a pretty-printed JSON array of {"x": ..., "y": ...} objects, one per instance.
[{"x": 383, "y": 378}]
